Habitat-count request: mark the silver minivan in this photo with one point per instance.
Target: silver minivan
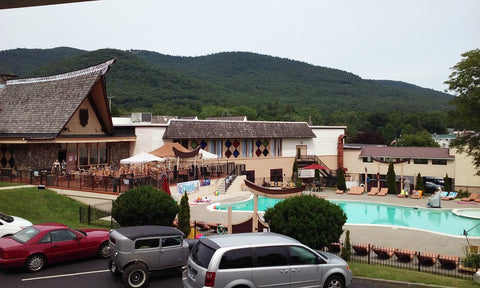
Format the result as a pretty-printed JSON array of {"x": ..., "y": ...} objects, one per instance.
[{"x": 262, "y": 260}]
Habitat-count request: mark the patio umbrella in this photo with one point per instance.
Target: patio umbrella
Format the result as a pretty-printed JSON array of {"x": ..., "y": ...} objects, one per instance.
[
  {"x": 165, "y": 186},
  {"x": 315, "y": 166}
]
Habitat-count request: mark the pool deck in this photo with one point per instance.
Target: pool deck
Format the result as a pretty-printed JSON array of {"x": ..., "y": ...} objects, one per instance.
[{"x": 394, "y": 237}]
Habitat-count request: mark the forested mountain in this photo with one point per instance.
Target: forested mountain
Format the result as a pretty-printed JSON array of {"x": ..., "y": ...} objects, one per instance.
[{"x": 237, "y": 83}]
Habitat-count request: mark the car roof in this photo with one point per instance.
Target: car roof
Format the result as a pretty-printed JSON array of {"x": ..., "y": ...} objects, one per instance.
[
  {"x": 243, "y": 239},
  {"x": 134, "y": 232},
  {"x": 49, "y": 226}
]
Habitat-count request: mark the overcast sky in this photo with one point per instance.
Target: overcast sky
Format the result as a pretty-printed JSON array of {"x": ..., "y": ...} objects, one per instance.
[{"x": 416, "y": 41}]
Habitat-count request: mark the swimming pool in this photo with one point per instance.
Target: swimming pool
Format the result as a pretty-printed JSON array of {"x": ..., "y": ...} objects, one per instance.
[{"x": 369, "y": 213}]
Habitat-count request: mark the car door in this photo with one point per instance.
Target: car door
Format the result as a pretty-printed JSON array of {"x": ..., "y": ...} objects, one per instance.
[
  {"x": 171, "y": 252},
  {"x": 271, "y": 267},
  {"x": 305, "y": 267},
  {"x": 64, "y": 246}
]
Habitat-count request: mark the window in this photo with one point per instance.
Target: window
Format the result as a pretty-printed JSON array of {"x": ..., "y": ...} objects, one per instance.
[
  {"x": 171, "y": 241},
  {"x": 247, "y": 148},
  {"x": 271, "y": 256},
  {"x": 439, "y": 162},
  {"x": 147, "y": 243},
  {"x": 62, "y": 235},
  {"x": 276, "y": 147},
  {"x": 301, "y": 256},
  {"x": 202, "y": 254},
  {"x": 420, "y": 161},
  {"x": 367, "y": 159},
  {"x": 83, "y": 154},
  {"x": 238, "y": 258}
]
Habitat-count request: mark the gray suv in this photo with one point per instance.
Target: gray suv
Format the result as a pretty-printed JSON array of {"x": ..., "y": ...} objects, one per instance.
[
  {"x": 136, "y": 250},
  {"x": 262, "y": 260}
]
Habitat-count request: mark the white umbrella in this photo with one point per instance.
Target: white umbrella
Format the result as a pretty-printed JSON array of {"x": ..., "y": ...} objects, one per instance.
[
  {"x": 142, "y": 158},
  {"x": 207, "y": 155}
]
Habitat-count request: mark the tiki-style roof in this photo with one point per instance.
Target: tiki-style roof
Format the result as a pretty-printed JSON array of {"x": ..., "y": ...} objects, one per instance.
[
  {"x": 40, "y": 107},
  {"x": 8, "y": 4},
  {"x": 167, "y": 150},
  {"x": 207, "y": 129},
  {"x": 407, "y": 152}
]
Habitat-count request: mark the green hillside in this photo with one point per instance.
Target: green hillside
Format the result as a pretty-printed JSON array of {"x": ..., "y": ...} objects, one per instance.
[{"x": 239, "y": 83}]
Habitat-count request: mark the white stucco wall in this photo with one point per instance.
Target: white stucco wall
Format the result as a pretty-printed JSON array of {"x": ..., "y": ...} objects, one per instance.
[{"x": 148, "y": 138}]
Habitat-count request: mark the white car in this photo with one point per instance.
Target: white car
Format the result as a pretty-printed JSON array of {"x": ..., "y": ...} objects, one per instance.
[{"x": 10, "y": 225}]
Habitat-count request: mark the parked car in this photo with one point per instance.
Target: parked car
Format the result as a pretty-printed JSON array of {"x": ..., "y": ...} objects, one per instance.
[
  {"x": 137, "y": 250},
  {"x": 10, "y": 225},
  {"x": 431, "y": 187},
  {"x": 262, "y": 260},
  {"x": 38, "y": 245}
]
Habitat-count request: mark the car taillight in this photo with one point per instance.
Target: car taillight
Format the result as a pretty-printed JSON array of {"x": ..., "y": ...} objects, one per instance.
[
  {"x": 210, "y": 279},
  {"x": 112, "y": 240}
]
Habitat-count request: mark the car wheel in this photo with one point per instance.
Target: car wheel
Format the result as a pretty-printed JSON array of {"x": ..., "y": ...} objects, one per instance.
[
  {"x": 35, "y": 263},
  {"x": 104, "y": 251},
  {"x": 136, "y": 275},
  {"x": 334, "y": 281}
]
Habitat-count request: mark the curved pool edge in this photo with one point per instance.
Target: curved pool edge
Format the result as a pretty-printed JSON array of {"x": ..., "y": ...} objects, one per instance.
[{"x": 460, "y": 212}]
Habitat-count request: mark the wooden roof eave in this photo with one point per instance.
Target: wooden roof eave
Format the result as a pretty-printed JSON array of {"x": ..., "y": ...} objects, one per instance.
[{"x": 281, "y": 193}]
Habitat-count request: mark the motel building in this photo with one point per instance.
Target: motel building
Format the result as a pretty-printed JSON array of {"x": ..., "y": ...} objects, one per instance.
[{"x": 67, "y": 117}]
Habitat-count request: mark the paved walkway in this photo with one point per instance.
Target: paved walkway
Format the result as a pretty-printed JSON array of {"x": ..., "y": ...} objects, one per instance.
[{"x": 395, "y": 237}]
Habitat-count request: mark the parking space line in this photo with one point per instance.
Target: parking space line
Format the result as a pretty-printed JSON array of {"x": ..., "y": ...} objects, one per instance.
[{"x": 66, "y": 275}]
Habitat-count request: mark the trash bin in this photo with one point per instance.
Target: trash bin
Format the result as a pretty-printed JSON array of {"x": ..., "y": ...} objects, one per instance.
[{"x": 50, "y": 180}]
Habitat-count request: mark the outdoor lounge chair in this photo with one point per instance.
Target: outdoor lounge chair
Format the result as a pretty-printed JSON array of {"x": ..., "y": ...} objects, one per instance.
[
  {"x": 383, "y": 252},
  {"x": 339, "y": 191},
  {"x": 472, "y": 197},
  {"x": 361, "y": 249},
  {"x": 449, "y": 261},
  {"x": 402, "y": 194},
  {"x": 427, "y": 259},
  {"x": 417, "y": 194},
  {"x": 373, "y": 191},
  {"x": 450, "y": 196},
  {"x": 383, "y": 191},
  {"x": 356, "y": 190},
  {"x": 405, "y": 255}
]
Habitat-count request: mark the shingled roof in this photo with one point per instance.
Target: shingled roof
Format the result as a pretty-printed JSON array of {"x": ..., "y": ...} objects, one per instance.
[
  {"x": 407, "y": 152},
  {"x": 206, "y": 129},
  {"x": 40, "y": 107}
]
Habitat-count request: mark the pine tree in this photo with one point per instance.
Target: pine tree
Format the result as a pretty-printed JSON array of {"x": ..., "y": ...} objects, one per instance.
[
  {"x": 347, "y": 249},
  {"x": 419, "y": 184},
  {"x": 184, "y": 215},
  {"x": 341, "y": 185},
  {"x": 391, "y": 179}
]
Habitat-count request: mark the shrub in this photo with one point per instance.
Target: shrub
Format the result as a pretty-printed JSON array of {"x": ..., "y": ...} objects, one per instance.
[
  {"x": 341, "y": 184},
  {"x": 347, "y": 249},
  {"x": 391, "y": 179},
  {"x": 184, "y": 215},
  {"x": 313, "y": 221},
  {"x": 419, "y": 185},
  {"x": 144, "y": 205}
]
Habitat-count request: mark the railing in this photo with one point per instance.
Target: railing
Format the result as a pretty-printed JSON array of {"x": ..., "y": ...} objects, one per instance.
[
  {"x": 434, "y": 263},
  {"x": 99, "y": 214}
]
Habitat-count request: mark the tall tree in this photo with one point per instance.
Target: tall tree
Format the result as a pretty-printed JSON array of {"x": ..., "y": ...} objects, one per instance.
[
  {"x": 391, "y": 179},
  {"x": 464, "y": 82},
  {"x": 184, "y": 215}
]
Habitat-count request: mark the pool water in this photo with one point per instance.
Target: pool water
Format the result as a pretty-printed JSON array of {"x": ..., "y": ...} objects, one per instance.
[{"x": 368, "y": 213}]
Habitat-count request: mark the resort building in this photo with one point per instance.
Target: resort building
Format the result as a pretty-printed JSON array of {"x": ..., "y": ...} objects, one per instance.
[{"x": 61, "y": 117}]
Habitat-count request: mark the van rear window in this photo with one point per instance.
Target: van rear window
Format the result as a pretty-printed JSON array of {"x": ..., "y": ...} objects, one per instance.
[
  {"x": 201, "y": 254},
  {"x": 237, "y": 258}
]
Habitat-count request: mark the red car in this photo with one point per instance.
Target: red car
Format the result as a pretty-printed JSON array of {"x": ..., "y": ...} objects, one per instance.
[{"x": 35, "y": 246}]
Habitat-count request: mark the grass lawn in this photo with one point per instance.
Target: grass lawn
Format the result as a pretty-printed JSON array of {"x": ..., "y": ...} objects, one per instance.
[
  {"x": 390, "y": 273},
  {"x": 40, "y": 206}
]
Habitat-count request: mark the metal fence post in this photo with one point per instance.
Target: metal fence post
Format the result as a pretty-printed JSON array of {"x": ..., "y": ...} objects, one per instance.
[{"x": 88, "y": 213}]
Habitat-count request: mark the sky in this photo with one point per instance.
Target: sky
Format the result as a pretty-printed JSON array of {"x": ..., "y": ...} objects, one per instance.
[{"x": 415, "y": 41}]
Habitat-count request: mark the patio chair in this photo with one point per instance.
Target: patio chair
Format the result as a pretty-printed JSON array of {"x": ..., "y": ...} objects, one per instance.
[
  {"x": 373, "y": 191},
  {"x": 472, "y": 197},
  {"x": 405, "y": 255},
  {"x": 383, "y": 191},
  {"x": 417, "y": 194},
  {"x": 383, "y": 252},
  {"x": 339, "y": 191},
  {"x": 450, "y": 196},
  {"x": 427, "y": 259},
  {"x": 361, "y": 249},
  {"x": 449, "y": 261},
  {"x": 356, "y": 190}
]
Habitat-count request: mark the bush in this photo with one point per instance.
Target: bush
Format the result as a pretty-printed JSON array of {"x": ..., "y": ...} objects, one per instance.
[
  {"x": 347, "y": 249},
  {"x": 184, "y": 215},
  {"x": 144, "y": 205},
  {"x": 341, "y": 184},
  {"x": 391, "y": 179},
  {"x": 313, "y": 221}
]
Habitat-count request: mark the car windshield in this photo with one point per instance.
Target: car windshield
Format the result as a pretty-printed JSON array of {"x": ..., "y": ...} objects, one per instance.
[{"x": 23, "y": 236}]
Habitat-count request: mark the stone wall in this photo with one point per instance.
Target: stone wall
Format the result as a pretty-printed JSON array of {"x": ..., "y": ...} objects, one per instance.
[{"x": 118, "y": 151}]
